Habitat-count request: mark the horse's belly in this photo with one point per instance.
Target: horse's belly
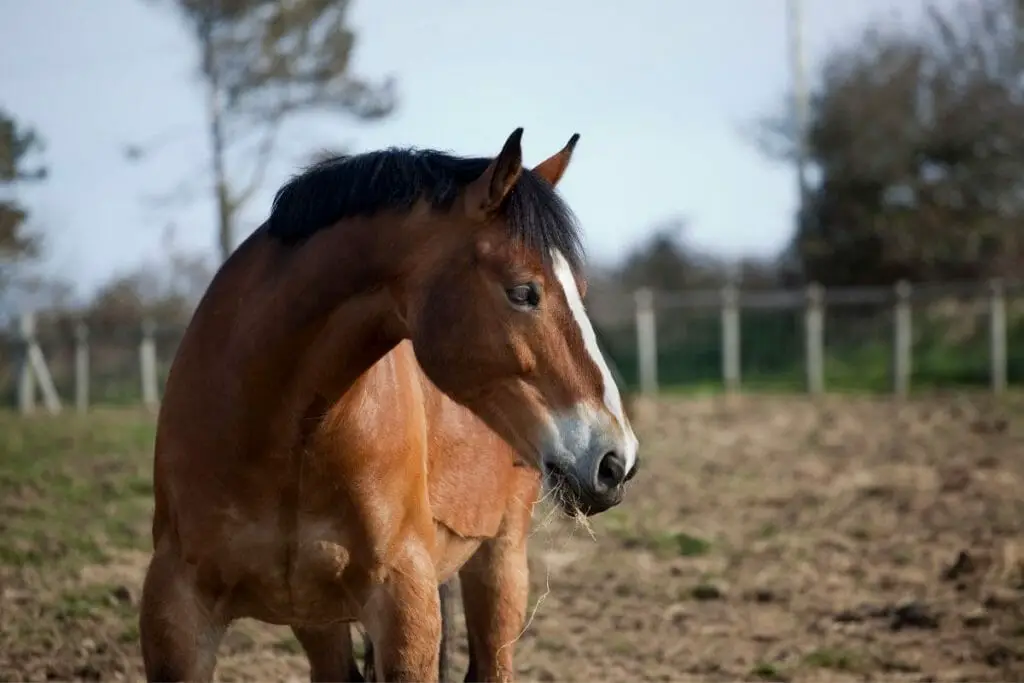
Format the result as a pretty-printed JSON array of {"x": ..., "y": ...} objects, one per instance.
[
  {"x": 304, "y": 576},
  {"x": 326, "y": 585}
]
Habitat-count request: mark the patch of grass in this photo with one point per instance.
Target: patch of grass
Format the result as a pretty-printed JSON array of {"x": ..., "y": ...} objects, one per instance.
[
  {"x": 129, "y": 634},
  {"x": 665, "y": 543},
  {"x": 678, "y": 544},
  {"x": 766, "y": 671},
  {"x": 902, "y": 558},
  {"x": 73, "y": 486},
  {"x": 835, "y": 659},
  {"x": 620, "y": 647},
  {"x": 288, "y": 645},
  {"x": 91, "y": 603},
  {"x": 690, "y": 546}
]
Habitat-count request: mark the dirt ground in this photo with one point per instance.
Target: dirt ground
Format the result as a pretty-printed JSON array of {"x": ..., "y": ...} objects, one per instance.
[{"x": 767, "y": 538}]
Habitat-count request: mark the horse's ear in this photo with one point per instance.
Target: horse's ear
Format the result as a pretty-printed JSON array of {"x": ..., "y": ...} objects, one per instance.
[
  {"x": 485, "y": 194},
  {"x": 553, "y": 168}
]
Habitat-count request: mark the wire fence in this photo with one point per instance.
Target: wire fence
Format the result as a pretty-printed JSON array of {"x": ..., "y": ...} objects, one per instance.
[{"x": 814, "y": 340}]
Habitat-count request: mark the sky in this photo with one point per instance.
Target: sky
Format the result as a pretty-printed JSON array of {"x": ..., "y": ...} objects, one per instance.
[{"x": 662, "y": 92}]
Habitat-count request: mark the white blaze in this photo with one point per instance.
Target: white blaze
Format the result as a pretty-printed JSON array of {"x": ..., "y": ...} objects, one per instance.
[{"x": 612, "y": 400}]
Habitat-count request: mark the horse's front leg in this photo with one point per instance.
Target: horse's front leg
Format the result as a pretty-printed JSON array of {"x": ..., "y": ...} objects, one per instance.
[
  {"x": 403, "y": 618},
  {"x": 495, "y": 591},
  {"x": 446, "y": 594},
  {"x": 180, "y": 623},
  {"x": 330, "y": 652}
]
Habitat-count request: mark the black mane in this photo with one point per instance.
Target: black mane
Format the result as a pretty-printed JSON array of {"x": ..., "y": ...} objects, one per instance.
[{"x": 394, "y": 179}]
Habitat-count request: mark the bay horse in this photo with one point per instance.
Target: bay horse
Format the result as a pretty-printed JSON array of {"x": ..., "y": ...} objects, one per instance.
[
  {"x": 271, "y": 504},
  {"x": 488, "y": 636}
]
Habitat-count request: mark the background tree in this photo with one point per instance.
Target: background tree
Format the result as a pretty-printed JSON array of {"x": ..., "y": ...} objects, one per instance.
[
  {"x": 18, "y": 144},
  {"x": 666, "y": 263},
  {"x": 166, "y": 288},
  {"x": 662, "y": 261},
  {"x": 262, "y": 62},
  {"x": 916, "y": 144}
]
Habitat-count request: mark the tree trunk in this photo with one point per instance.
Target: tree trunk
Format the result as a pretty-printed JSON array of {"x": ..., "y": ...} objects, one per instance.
[{"x": 215, "y": 120}]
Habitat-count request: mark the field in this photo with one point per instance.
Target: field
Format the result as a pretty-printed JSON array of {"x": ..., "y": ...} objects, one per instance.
[{"x": 767, "y": 538}]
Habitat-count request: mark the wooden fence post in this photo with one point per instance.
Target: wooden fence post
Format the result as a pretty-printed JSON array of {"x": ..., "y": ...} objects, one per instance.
[
  {"x": 26, "y": 379},
  {"x": 34, "y": 372},
  {"x": 814, "y": 331},
  {"x": 82, "y": 366},
  {"x": 731, "y": 337},
  {"x": 147, "y": 365},
  {"x": 647, "y": 341},
  {"x": 903, "y": 341},
  {"x": 997, "y": 335}
]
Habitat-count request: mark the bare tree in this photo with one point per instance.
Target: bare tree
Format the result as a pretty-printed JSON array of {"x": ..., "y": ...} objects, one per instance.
[{"x": 262, "y": 62}]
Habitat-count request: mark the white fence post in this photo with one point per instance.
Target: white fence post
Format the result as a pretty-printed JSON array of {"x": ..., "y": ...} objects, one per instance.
[
  {"x": 34, "y": 372},
  {"x": 731, "y": 337},
  {"x": 147, "y": 365},
  {"x": 903, "y": 349},
  {"x": 814, "y": 330},
  {"x": 82, "y": 366},
  {"x": 26, "y": 379},
  {"x": 997, "y": 335},
  {"x": 647, "y": 341}
]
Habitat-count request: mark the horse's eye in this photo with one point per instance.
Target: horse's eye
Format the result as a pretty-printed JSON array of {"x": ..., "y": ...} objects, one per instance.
[{"x": 524, "y": 296}]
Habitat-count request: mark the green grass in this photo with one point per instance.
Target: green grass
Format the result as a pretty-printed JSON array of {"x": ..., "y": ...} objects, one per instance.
[
  {"x": 766, "y": 671},
  {"x": 831, "y": 658},
  {"x": 73, "y": 487},
  {"x": 663, "y": 543}
]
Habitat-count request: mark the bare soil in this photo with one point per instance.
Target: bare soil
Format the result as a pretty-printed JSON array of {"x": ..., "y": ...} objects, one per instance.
[{"x": 766, "y": 538}]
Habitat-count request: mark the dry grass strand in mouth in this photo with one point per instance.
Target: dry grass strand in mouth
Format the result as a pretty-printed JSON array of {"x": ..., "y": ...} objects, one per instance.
[
  {"x": 552, "y": 499},
  {"x": 581, "y": 521}
]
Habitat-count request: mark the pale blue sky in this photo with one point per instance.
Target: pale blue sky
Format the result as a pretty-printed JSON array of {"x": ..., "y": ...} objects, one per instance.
[{"x": 660, "y": 91}]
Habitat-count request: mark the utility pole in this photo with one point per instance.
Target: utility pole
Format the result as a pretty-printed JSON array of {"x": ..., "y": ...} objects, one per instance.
[{"x": 798, "y": 76}]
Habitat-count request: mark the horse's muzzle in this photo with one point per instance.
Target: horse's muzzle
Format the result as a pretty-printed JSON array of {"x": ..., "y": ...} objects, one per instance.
[{"x": 597, "y": 486}]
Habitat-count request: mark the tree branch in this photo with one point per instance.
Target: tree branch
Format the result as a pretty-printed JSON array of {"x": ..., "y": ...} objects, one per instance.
[{"x": 263, "y": 154}]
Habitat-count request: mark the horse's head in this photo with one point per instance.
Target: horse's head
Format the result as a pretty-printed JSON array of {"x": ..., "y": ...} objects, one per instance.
[{"x": 498, "y": 323}]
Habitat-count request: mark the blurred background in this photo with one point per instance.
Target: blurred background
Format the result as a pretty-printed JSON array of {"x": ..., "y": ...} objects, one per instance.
[
  {"x": 780, "y": 199},
  {"x": 765, "y": 146}
]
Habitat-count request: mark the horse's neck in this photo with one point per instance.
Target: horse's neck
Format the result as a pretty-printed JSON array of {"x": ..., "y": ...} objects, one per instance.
[
  {"x": 290, "y": 323},
  {"x": 325, "y": 311},
  {"x": 350, "y": 340}
]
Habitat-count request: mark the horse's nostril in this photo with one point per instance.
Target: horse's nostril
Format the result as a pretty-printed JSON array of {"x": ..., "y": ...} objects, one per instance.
[
  {"x": 633, "y": 471},
  {"x": 611, "y": 472}
]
